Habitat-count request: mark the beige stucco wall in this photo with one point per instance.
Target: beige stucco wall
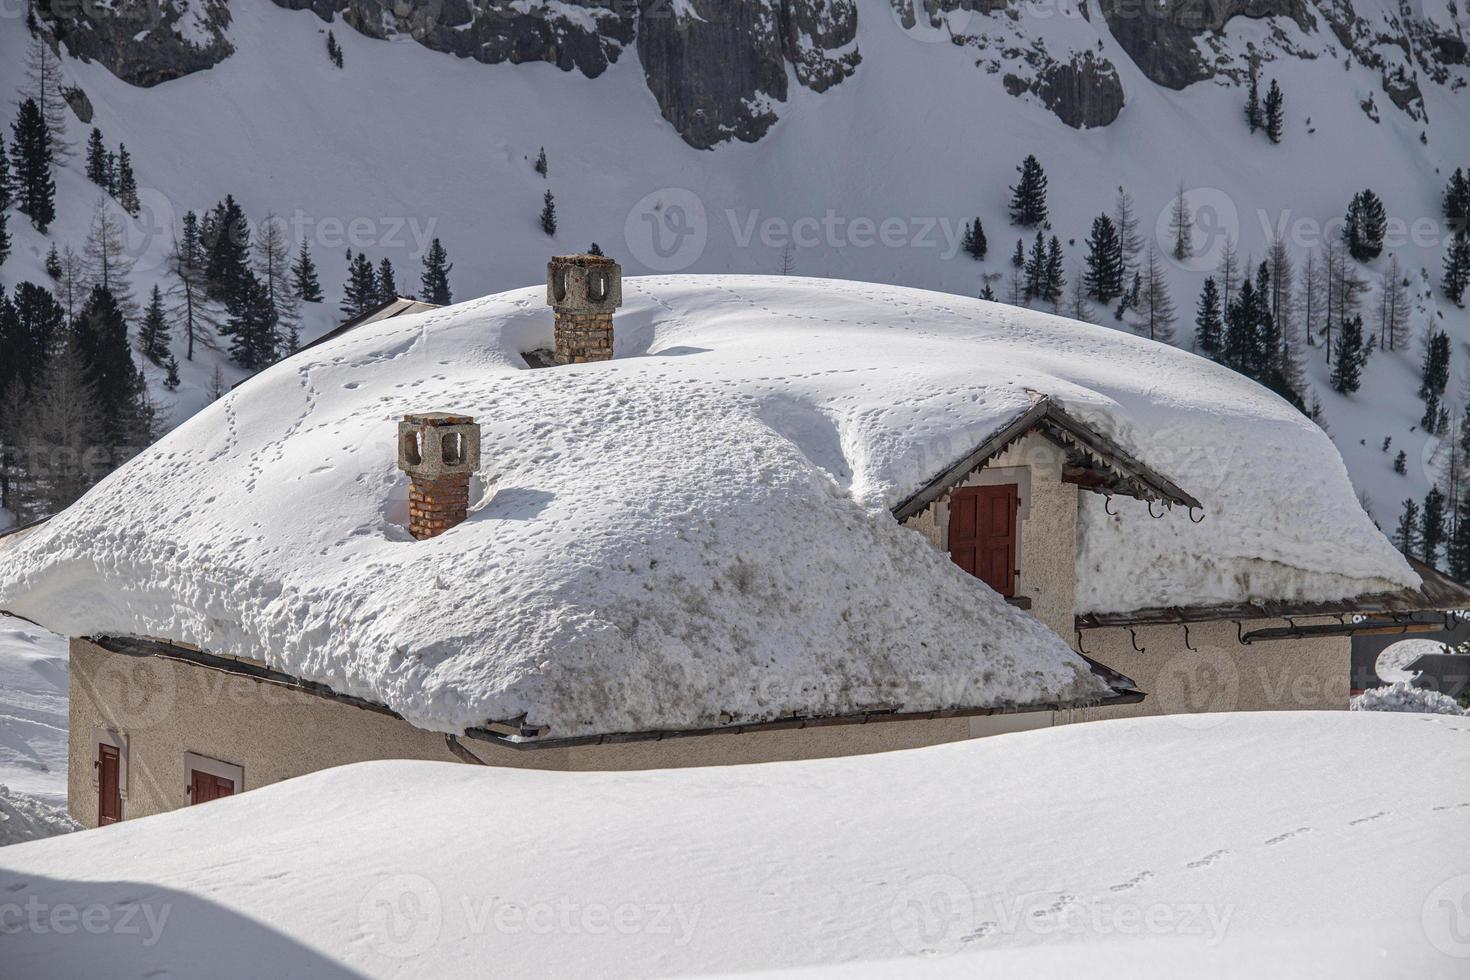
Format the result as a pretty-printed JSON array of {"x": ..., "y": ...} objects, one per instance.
[
  {"x": 1047, "y": 544},
  {"x": 1222, "y": 674},
  {"x": 162, "y": 709}
]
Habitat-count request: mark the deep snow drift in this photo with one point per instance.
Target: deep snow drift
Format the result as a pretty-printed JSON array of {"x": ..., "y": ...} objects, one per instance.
[
  {"x": 33, "y": 711},
  {"x": 705, "y": 513},
  {"x": 1260, "y": 844}
]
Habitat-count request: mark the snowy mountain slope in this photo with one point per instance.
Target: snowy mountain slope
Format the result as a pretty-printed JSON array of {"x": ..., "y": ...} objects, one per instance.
[
  {"x": 870, "y": 179},
  {"x": 1137, "y": 848},
  {"x": 33, "y": 711}
]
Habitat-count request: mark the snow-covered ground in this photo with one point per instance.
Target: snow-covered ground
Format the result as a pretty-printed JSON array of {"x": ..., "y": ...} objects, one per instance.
[
  {"x": 33, "y": 711},
  {"x": 1291, "y": 843}
]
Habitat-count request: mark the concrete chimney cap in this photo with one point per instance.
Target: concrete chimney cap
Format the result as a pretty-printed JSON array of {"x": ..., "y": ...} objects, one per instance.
[
  {"x": 433, "y": 445},
  {"x": 584, "y": 284}
]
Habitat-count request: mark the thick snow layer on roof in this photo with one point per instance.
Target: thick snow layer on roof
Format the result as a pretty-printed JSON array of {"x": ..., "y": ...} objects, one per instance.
[
  {"x": 1136, "y": 848},
  {"x": 698, "y": 526}
]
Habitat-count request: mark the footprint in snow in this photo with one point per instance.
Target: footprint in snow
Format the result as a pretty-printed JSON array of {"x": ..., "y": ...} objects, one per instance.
[
  {"x": 1282, "y": 838},
  {"x": 1063, "y": 900},
  {"x": 1370, "y": 817},
  {"x": 1208, "y": 859},
  {"x": 979, "y": 932},
  {"x": 1133, "y": 882},
  {"x": 1451, "y": 806}
]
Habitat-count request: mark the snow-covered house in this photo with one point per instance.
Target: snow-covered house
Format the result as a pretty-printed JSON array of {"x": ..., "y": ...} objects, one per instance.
[{"x": 798, "y": 517}]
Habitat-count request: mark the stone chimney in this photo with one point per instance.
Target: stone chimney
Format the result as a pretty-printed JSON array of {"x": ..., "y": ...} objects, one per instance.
[
  {"x": 583, "y": 290},
  {"x": 439, "y": 452}
]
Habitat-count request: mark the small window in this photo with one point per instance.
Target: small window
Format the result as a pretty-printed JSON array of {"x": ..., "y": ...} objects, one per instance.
[
  {"x": 210, "y": 779},
  {"x": 982, "y": 534}
]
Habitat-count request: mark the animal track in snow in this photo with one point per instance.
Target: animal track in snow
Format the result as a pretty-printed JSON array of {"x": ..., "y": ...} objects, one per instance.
[
  {"x": 1063, "y": 900},
  {"x": 1208, "y": 859},
  {"x": 1282, "y": 838},
  {"x": 1368, "y": 818},
  {"x": 1133, "y": 882}
]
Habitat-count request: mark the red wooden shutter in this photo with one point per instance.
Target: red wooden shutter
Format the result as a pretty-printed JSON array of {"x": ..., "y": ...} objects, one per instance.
[
  {"x": 982, "y": 534},
  {"x": 109, "y": 788},
  {"x": 206, "y": 786}
]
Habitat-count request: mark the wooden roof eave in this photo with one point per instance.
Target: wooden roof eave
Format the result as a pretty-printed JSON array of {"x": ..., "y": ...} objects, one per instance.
[{"x": 1136, "y": 479}]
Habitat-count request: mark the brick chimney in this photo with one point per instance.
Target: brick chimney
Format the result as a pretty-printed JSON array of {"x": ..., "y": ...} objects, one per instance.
[
  {"x": 584, "y": 290},
  {"x": 439, "y": 452}
]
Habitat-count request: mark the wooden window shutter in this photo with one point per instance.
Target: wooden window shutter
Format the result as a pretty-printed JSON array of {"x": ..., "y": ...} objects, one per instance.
[
  {"x": 983, "y": 532},
  {"x": 109, "y": 785}
]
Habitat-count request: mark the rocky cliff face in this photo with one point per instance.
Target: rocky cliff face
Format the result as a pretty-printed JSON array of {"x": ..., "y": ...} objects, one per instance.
[{"x": 720, "y": 69}]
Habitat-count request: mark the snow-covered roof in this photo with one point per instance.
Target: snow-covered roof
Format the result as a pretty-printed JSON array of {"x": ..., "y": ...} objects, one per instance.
[{"x": 695, "y": 532}]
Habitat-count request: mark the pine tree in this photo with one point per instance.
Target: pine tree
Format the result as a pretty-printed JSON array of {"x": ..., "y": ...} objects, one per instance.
[
  {"x": 1365, "y": 225},
  {"x": 1347, "y": 369},
  {"x": 594, "y": 249},
  {"x": 1434, "y": 370},
  {"x": 1036, "y": 269},
  {"x": 225, "y": 236},
  {"x": 1431, "y": 527},
  {"x": 187, "y": 264},
  {"x": 361, "y": 290},
  {"x": 1056, "y": 278},
  {"x": 36, "y": 329},
  {"x": 35, "y": 190},
  {"x": 434, "y": 281},
  {"x": 1253, "y": 97},
  {"x": 986, "y": 293},
  {"x": 1457, "y": 201},
  {"x": 100, "y": 336},
  {"x": 1018, "y": 257},
  {"x": 97, "y": 158},
  {"x": 44, "y": 87},
  {"x": 1274, "y": 112},
  {"x": 111, "y": 185},
  {"x": 252, "y": 326},
  {"x": 540, "y": 164},
  {"x": 548, "y": 214},
  {"x": 1126, "y": 220},
  {"x": 1458, "y": 553},
  {"x": 1208, "y": 325},
  {"x": 1393, "y": 310},
  {"x": 1401, "y": 463},
  {"x": 153, "y": 335},
  {"x": 71, "y": 287},
  {"x": 1181, "y": 225},
  {"x": 304, "y": 279},
  {"x": 171, "y": 379},
  {"x": 1104, "y": 277},
  {"x": 1406, "y": 536},
  {"x": 53, "y": 262},
  {"x": 974, "y": 242},
  {"x": 105, "y": 258},
  {"x": 334, "y": 50},
  {"x": 63, "y": 420},
  {"x": 1310, "y": 299},
  {"x": 1028, "y": 197},
  {"x": 1155, "y": 304},
  {"x": 1457, "y": 268},
  {"x": 272, "y": 266},
  {"x": 1281, "y": 299},
  {"x": 387, "y": 281},
  {"x": 1229, "y": 273},
  {"x": 127, "y": 184}
]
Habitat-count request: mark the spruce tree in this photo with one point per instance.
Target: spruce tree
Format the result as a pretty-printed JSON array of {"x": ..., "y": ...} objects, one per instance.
[
  {"x": 1274, "y": 112},
  {"x": 1434, "y": 370},
  {"x": 153, "y": 335},
  {"x": 303, "y": 277},
  {"x": 37, "y": 329},
  {"x": 1406, "y": 535},
  {"x": 1401, "y": 463},
  {"x": 1028, "y": 197},
  {"x": 53, "y": 262},
  {"x": 1365, "y": 225},
  {"x": 100, "y": 336},
  {"x": 974, "y": 242},
  {"x": 387, "y": 281},
  {"x": 1253, "y": 97},
  {"x": 1347, "y": 368},
  {"x": 1457, "y": 268},
  {"x": 1208, "y": 325},
  {"x": 226, "y": 240},
  {"x": 548, "y": 214},
  {"x": 127, "y": 184},
  {"x": 540, "y": 164},
  {"x": 361, "y": 290},
  {"x": 1055, "y": 280},
  {"x": 35, "y": 191},
  {"x": 1035, "y": 269},
  {"x": 1018, "y": 257},
  {"x": 96, "y": 159},
  {"x": 1181, "y": 225},
  {"x": 1431, "y": 527},
  {"x": 111, "y": 185},
  {"x": 171, "y": 379},
  {"x": 986, "y": 293},
  {"x": 334, "y": 50},
  {"x": 1457, "y": 201},
  {"x": 1104, "y": 276},
  {"x": 1458, "y": 553},
  {"x": 434, "y": 281},
  {"x": 65, "y": 419},
  {"x": 252, "y": 326},
  {"x": 187, "y": 265}
]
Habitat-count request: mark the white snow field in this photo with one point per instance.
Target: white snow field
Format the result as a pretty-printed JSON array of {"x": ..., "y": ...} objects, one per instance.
[
  {"x": 708, "y": 511},
  {"x": 33, "y": 711},
  {"x": 1269, "y": 844}
]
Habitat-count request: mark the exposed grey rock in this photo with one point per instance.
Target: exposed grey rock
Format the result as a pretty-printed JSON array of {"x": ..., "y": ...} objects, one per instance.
[
  {"x": 1085, "y": 93},
  {"x": 1160, "y": 35},
  {"x": 143, "y": 42},
  {"x": 81, "y": 106}
]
